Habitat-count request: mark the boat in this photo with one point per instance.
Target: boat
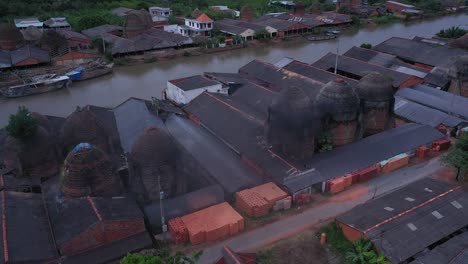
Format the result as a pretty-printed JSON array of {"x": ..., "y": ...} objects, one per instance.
[
  {"x": 36, "y": 85},
  {"x": 85, "y": 73},
  {"x": 332, "y": 32}
]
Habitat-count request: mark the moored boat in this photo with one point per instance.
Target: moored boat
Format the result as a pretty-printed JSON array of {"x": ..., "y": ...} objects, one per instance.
[
  {"x": 85, "y": 73},
  {"x": 36, "y": 85}
]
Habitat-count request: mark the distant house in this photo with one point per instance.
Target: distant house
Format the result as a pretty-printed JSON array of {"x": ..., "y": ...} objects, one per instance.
[
  {"x": 184, "y": 90},
  {"x": 283, "y": 4},
  {"x": 29, "y": 55},
  {"x": 398, "y": 7},
  {"x": 160, "y": 14},
  {"x": 348, "y": 3},
  {"x": 57, "y": 23},
  {"x": 122, "y": 11},
  {"x": 198, "y": 24},
  {"x": 245, "y": 26},
  {"x": 24, "y": 23},
  {"x": 74, "y": 39},
  {"x": 232, "y": 30},
  {"x": 226, "y": 9}
]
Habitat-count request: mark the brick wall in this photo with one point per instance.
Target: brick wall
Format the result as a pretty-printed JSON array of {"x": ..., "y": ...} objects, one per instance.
[{"x": 350, "y": 233}]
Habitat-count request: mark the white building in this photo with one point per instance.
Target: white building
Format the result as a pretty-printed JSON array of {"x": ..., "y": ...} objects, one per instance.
[
  {"x": 198, "y": 25},
  {"x": 24, "y": 23},
  {"x": 159, "y": 14},
  {"x": 184, "y": 90}
]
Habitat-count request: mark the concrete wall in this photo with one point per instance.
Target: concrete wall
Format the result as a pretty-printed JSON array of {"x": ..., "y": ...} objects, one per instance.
[{"x": 180, "y": 96}]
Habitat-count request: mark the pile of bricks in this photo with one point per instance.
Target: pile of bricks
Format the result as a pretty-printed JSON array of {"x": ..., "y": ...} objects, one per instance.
[
  {"x": 396, "y": 163},
  {"x": 441, "y": 145},
  {"x": 258, "y": 201},
  {"x": 366, "y": 174},
  {"x": 336, "y": 185},
  {"x": 302, "y": 198},
  {"x": 252, "y": 203},
  {"x": 422, "y": 152},
  {"x": 178, "y": 230}
]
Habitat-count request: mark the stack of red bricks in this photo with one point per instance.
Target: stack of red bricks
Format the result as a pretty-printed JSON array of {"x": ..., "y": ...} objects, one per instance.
[
  {"x": 178, "y": 230},
  {"x": 422, "y": 152},
  {"x": 302, "y": 198},
  {"x": 252, "y": 203},
  {"x": 441, "y": 145}
]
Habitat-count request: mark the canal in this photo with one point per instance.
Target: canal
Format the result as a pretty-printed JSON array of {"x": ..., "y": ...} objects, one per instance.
[{"x": 148, "y": 80}]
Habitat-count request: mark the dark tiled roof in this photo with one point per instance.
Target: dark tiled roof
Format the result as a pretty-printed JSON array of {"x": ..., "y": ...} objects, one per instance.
[
  {"x": 438, "y": 77},
  {"x": 132, "y": 117},
  {"x": 362, "y": 154},
  {"x": 28, "y": 236},
  {"x": 185, "y": 204},
  {"x": 242, "y": 24},
  {"x": 316, "y": 73},
  {"x": 218, "y": 114},
  {"x": 418, "y": 51},
  {"x": 5, "y": 59},
  {"x": 100, "y": 30},
  {"x": 29, "y": 51},
  {"x": 304, "y": 180},
  {"x": 68, "y": 34},
  {"x": 221, "y": 162},
  {"x": 193, "y": 82},
  {"x": 405, "y": 222},
  {"x": 231, "y": 29},
  {"x": 454, "y": 251},
  {"x": 279, "y": 24},
  {"x": 112, "y": 251},
  {"x": 359, "y": 68}
]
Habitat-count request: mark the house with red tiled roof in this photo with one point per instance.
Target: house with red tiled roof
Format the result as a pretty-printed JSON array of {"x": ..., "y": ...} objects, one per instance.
[{"x": 198, "y": 24}]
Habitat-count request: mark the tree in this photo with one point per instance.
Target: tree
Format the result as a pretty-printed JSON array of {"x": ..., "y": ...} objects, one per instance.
[
  {"x": 452, "y": 33},
  {"x": 262, "y": 34},
  {"x": 164, "y": 257},
  {"x": 21, "y": 125},
  {"x": 362, "y": 253},
  {"x": 89, "y": 21},
  {"x": 458, "y": 156}
]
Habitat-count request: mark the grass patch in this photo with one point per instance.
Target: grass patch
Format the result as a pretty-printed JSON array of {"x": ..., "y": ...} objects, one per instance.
[
  {"x": 385, "y": 19},
  {"x": 336, "y": 238}
]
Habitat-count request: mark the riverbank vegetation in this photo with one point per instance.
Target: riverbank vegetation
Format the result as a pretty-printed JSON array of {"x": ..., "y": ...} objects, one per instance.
[{"x": 452, "y": 33}]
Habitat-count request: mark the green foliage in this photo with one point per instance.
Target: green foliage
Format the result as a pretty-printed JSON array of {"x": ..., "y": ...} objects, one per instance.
[
  {"x": 21, "y": 125},
  {"x": 328, "y": 7},
  {"x": 325, "y": 142},
  {"x": 336, "y": 238},
  {"x": 458, "y": 155},
  {"x": 452, "y": 33},
  {"x": 362, "y": 253},
  {"x": 164, "y": 257},
  {"x": 262, "y": 34},
  {"x": 385, "y": 19},
  {"x": 366, "y": 46}
]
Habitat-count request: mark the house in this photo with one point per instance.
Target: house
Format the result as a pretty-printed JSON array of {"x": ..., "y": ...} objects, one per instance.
[
  {"x": 395, "y": 6},
  {"x": 160, "y": 14},
  {"x": 231, "y": 30},
  {"x": 74, "y": 39},
  {"x": 184, "y": 90},
  {"x": 284, "y": 28},
  {"x": 227, "y": 10},
  {"x": 24, "y": 23},
  {"x": 198, "y": 24},
  {"x": 247, "y": 25},
  {"x": 29, "y": 55},
  {"x": 283, "y": 4},
  {"x": 425, "y": 214},
  {"x": 57, "y": 23}
]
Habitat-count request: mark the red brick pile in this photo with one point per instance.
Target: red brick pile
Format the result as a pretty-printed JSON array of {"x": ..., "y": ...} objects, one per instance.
[
  {"x": 441, "y": 145},
  {"x": 422, "y": 152},
  {"x": 302, "y": 198},
  {"x": 258, "y": 201},
  {"x": 395, "y": 164},
  {"x": 178, "y": 230},
  {"x": 366, "y": 174},
  {"x": 213, "y": 223}
]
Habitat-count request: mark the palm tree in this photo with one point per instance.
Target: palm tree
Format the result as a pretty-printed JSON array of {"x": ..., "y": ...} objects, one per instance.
[{"x": 379, "y": 259}]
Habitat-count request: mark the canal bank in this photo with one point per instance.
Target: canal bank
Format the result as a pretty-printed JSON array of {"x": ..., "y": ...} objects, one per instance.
[{"x": 148, "y": 80}]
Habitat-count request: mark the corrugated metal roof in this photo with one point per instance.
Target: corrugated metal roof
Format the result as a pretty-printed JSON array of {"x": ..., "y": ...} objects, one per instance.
[
  {"x": 193, "y": 82},
  {"x": 411, "y": 227},
  {"x": 424, "y": 115},
  {"x": 29, "y": 51},
  {"x": 5, "y": 59}
]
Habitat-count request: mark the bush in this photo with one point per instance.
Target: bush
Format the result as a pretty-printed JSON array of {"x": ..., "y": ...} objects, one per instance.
[
  {"x": 150, "y": 59},
  {"x": 21, "y": 125},
  {"x": 452, "y": 33},
  {"x": 164, "y": 257},
  {"x": 366, "y": 46},
  {"x": 336, "y": 238},
  {"x": 262, "y": 34},
  {"x": 385, "y": 19},
  {"x": 187, "y": 54}
]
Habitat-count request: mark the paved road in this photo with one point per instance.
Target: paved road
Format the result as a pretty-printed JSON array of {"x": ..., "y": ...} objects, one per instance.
[{"x": 259, "y": 237}]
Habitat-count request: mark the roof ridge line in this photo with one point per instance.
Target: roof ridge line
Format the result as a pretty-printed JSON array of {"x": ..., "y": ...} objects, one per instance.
[
  {"x": 411, "y": 209},
  {"x": 4, "y": 228},
  {"x": 96, "y": 210}
]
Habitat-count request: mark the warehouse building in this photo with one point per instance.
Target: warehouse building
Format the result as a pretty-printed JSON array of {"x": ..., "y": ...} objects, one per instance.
[{"x": 410, "y": 221}]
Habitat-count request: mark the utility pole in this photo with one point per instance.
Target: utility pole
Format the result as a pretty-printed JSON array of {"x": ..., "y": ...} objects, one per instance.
[
  {"x": 161, "y": 197},
  {"x": 337, "y": 53}
]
